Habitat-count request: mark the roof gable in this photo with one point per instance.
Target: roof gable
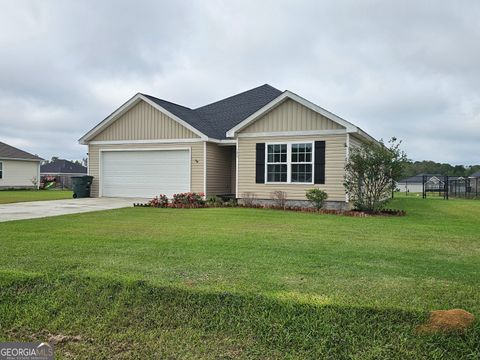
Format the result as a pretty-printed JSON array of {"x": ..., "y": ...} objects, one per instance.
[
  {"x": 290, "y": 115},
  {"x": 10, "y": 152},
  {"x": 144, "y": 122},
  {"x": 282, "y": 98},
  {"x": 128, "y": 105}
]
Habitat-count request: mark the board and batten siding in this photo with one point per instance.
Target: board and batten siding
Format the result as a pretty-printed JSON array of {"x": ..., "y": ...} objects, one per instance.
[
  {"x": 19, "y": 173},
  {"x": 144, "y": 122},
  {"x": 291, "y": 116},
  {"x": 335, "y": 153},
  {"x": 197, "y": 157},
  {"x": 219, "y": 169}
]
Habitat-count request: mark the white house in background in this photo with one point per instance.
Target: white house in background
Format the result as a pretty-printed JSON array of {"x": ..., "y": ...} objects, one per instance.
[
  {"x": 475, "y": 175},
  {"x": 414, "y": 184},
  {"x": 18, "y": 169}
]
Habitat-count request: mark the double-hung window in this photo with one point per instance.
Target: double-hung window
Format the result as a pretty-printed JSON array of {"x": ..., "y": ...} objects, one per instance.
[
  {"x": 1, "y": 170},
  {"x": 289, "y": 163},
  {"x": 277, "y": 164}
]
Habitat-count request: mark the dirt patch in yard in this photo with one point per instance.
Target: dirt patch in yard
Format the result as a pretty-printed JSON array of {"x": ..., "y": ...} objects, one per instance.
[{"x": 446, "y": 321}]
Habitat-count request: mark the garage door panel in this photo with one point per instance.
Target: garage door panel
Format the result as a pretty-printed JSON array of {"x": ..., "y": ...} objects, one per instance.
[{"x": 145, "y": 173}]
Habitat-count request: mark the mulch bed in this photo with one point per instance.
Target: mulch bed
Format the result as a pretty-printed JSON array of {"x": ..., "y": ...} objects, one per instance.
[{"x": 353, "y": 213}]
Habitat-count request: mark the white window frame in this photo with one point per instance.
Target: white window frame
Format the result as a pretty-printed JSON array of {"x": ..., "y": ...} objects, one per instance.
[{"x": 289, "y": 162}]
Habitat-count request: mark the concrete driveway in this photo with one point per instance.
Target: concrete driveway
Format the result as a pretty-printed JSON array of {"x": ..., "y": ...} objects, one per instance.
[{"x": 40, "y": 209}]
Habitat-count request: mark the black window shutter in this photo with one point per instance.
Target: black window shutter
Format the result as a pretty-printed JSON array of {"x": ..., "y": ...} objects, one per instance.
[
  {"x": 260, "y": 164},
  {"x": 319, "y": 167}
]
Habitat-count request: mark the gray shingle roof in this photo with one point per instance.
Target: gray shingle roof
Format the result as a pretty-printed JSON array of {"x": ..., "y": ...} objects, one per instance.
[
  {"x": 215, "y": 119},
  {"x": 10, "y": 152},
  {"x": 61, "y": 166},
  {"x": 475, "y": 174}
]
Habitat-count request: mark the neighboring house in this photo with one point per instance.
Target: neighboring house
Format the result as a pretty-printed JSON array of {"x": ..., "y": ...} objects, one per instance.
[
  {"x": 475, "y": 175},
  {"x": 249, "y": 144},
  {"x": 18, "y": 169},
  {"x": 62, "y": 171},
  {"x": 414, "y": 184}
]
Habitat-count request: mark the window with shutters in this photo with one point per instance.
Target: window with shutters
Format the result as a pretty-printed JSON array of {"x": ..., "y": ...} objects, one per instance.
[{"x": 289, "y": 163}]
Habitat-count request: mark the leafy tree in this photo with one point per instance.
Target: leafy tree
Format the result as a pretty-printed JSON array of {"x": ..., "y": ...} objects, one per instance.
[
  {"x": 371, "y": 172},
  {"x": 413, "y": 168}
]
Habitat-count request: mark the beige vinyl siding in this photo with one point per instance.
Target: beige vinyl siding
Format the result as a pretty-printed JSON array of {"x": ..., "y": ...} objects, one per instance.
[
  {"x": 144, "y": 122},
  {"x": 355, "y": 141},
  {"x": 18, "y": 173},
  {"x": 233, "y": 170},
  {"x": 219, "y": 169},
  {"x": 196, "y": 180},
  {"x": 334, "y": 168},
  {"x": 291, "y": 116}
]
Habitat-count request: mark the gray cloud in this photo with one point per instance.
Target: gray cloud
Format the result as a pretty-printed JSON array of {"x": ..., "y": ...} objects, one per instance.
[{"x": 407, "y": 69}]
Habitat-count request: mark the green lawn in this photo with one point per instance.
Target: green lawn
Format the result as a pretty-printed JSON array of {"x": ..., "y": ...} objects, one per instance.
[
  {"x": 243, "y": 283},
  {"x": 14, "y": 196}
]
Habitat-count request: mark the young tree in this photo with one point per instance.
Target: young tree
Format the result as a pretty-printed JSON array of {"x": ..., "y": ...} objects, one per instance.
[{"x": 371, "y": 172}]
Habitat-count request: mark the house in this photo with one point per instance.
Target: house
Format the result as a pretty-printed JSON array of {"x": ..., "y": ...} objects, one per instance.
[
  {"x": 247, "y": 145},
  {"x": 61, "y": 171},
  {"x": 414, "y": 184},
  {"x": 475, "y": 175},
  {"x": 18, "y": 169}
]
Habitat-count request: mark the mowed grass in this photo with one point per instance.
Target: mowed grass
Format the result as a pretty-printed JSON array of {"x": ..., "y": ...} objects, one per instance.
[
  {"x": 243, "y": 283},
  {"x": 14, "y": 196}
]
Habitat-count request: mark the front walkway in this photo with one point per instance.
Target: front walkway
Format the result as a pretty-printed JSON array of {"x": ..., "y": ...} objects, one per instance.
[{"x": 40, "y": 209}]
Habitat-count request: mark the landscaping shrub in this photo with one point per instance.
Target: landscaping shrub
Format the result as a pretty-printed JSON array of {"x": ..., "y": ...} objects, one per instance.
[
  {"x": 249, "y": 198},
  {"x": 371, "y": 172},
  {"x": 214, "y": 201},
  {"x": 317, "y": 197},
  {"x": 188, "y": 200},
  {"x": 159, "y": 201},
  {"x": 279, "y": 198}
]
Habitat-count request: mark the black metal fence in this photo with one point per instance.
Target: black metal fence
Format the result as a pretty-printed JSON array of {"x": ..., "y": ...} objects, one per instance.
[{"x": 467, "y": 188}]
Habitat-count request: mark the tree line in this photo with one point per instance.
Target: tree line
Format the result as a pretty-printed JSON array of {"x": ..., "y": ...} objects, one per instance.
[{"x": 412, "y": 168}]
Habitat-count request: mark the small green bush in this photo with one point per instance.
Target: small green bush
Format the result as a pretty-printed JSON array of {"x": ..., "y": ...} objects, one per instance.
[
  {"x": 214, "y": 201},
  {"x": 317, "y": 197}
]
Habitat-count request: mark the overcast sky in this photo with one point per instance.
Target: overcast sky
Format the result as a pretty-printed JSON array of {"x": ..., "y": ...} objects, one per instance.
[{"x": 409, "y": 69}]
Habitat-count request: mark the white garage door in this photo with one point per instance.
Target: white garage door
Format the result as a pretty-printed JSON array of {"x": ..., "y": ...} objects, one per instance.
[{"x": 145, "y": 173}]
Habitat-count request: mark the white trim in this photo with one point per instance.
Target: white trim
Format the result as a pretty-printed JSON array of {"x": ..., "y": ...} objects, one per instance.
[
  {"x": 150, "y": 141},
  {"x": 128, "y": 105},
  {"x": 100, "y": 151},
  {"x": 222, "y": 142},
  {"x": 347, "y": 155},
  {"x": 293, "y": 133},
  {"x": 38, "y": 176},
  {"x": 205, "y": 168},
  {"x": 236, "y": 168},
  {"x": 289, "y": 163},
  {"x": 280, "y": 99},
  {"x": 18, "y": 159}
]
